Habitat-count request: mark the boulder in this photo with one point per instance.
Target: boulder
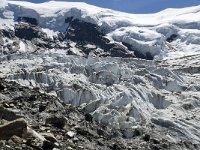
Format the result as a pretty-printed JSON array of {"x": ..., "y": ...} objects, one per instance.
[
  {"x": 58, "y": 122},
  {"x": 7, "y": 114},
  {"x": 16, "y": 127}
]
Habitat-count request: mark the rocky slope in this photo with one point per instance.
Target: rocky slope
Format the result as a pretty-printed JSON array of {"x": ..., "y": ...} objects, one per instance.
[
  {"x": 78, "y": 74},
  {"x": 51, "y": 124}
]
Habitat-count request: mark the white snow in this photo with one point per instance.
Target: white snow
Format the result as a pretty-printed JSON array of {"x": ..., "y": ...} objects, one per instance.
[
  {"x": 145, "y": 32},
  {"x": 50, "y": 33},
  {"x": 22, "y": 47}
]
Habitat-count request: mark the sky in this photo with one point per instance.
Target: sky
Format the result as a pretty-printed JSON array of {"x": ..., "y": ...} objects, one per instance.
[{"x": 136, "y": 6}]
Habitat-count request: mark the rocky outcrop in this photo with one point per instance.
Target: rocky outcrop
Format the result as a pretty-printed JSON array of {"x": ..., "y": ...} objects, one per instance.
[
  {"x": 79, "y": 35},
  {"x": 16, "y": 127},
  {"x": 27, "y": 31},
  {"x": 29, "y": 20},
  {"x": 84, "y": 33}
]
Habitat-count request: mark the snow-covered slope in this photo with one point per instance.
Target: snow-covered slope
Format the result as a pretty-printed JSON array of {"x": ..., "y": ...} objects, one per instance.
[
  {"x": 87, "y": 56},
  {"x": 145, "y": 33}
]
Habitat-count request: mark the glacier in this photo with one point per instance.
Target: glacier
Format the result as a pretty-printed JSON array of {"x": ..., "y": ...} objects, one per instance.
[{"x": 156, "y": 81}]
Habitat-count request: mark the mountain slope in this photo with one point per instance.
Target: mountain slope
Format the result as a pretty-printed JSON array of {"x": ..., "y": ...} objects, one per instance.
[
  {"x": 91, "y": 57},
  {"x": 144, "y": 33}
]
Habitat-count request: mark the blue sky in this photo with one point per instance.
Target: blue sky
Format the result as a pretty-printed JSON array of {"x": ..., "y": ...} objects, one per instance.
[{"x": 137, "y": 6}]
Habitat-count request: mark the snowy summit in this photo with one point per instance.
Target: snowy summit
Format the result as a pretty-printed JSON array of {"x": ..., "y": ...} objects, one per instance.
[{"x": 169, "y": 33}]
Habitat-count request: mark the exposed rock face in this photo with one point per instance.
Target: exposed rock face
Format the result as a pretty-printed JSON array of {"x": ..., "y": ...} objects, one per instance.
[
  {"x": 28, "y": 32},
  {"x": 84, "y": 33},
  {"x": 80, "y": 38},
  {"x": 172, "y": 38},
  {"x": 32, "y": 21}
]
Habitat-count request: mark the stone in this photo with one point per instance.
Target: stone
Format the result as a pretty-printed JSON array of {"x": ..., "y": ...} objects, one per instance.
[
  {"x": 35, "y": 143},
  {"x": 32, "y": 133},
  {"x": 17, "y": 139},
  {"x": 75, "y": 139},
  {"x": 55, "y": 149},
  {"x": 155, "y": 141},
  {"x": 7, "y": 114},
  {"x": 16, "y": 127},
  {"x": 47, "y": 145},
  {"x": 50, "y": 137},
  {"x": 58, "y": 122},
  {"x": 146, "y": 137},
  {"x": 42, "y": 108},
  {"x": 80, "y": 148},
  {"x": 69, "y": 148},
  {"x": 2, "y": 87},
  {"x": 71, "y": 134},
  {"x": 88, "y": 117},
  {"x": 172, "y": 38}
]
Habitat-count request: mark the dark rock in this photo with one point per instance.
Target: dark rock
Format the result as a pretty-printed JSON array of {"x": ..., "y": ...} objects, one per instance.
[
  {"x": 149, "y": 56},
  {"x": 88, "y": 117},
  {"x": 84, "y": 32},
  {"x": 7, "y": 114},
  {"x": 138, "y": 132},
  {"x": 47, "y": 145},
  {"x": 69, "y": 52},
  {"x": 16, "y": 127},
  {"x": 116, "y": 147},
  {"x": 32, "y": 98},
  {"x": 164, "y": 145},
  {"x": 2, "y": 87},
  {"x": 8, "y": 33},
  {"x": 119, "y": 51},
  {"x": 100, "y": 132},
  {"x": 99, "y": 142},
  {"x": 32, "y": 21},
  {"x": 58, "y": 122},
  {"x": 61, "y": 36},
  {"x": 86, "y": 132},
  {"x": 171, "y": 38},
  {"x": 146, "y": 137},
  {"x": 28, "y": 32},
  {"x": 50, "y": 137},
  {"x": 188, "y": 106},
  {"x": 68, "y": 20},
  {"x": 36, "y": 144},
  {"x": 155, "y": 141},
  {"x": 154, "y": 147},
  {"x": 1, "y": 41},
  {"x": 42, "y": 107}
]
